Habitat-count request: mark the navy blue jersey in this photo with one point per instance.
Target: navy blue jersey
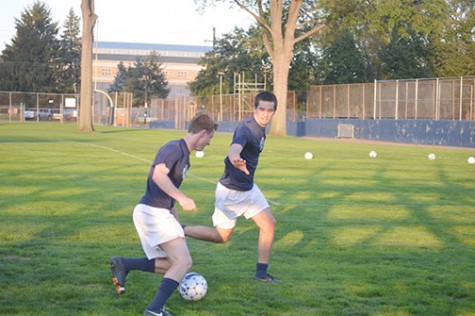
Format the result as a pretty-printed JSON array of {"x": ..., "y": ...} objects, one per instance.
[
  {"x": 176, "y": 156},
  {"x": 251, "y": 136}
]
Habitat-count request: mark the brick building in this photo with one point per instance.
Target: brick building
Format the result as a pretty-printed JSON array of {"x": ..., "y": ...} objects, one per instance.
[{"x": 180, "y": 62}]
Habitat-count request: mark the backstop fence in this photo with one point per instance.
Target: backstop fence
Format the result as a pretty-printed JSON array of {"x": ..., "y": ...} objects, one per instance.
[{"x": 434, "y": 99}]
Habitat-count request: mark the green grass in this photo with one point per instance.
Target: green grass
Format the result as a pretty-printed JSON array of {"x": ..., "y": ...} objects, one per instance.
[{"x": 393, "y": 235}]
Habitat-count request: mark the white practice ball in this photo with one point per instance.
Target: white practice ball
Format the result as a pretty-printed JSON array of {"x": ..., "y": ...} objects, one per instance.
[
  {"x": 200, "y": 154},
  {"x": 193, "y": 287},
  {"x": 431, "y": 156},
  {"x": 373, "y": 154},
  {"x": 308, "y": 155},
  {"x": 471, "y": 160}
]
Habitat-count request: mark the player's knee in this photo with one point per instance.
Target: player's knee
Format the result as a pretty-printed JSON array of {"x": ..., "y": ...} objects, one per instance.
[
  {"x": 187, "y": 263},
  {"x": 222, "y": 237}
]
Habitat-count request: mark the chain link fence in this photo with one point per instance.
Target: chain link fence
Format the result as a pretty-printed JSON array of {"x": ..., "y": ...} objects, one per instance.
[
  {"x": 117, "y": 109},
  {"x": 434, "y": 99}
]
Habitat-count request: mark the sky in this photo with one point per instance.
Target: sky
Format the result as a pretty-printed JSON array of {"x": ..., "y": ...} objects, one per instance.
[{"x": 137, "y": 21}]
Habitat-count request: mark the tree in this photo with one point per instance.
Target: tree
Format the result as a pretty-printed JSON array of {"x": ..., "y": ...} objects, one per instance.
[
  {"x": 145, "y": 80},
  {"x": 342, "y": 61},
  {"x": 88, "y": 22},
  {"x": 303, "y": 69},
  {"x": 455, "y": 50},
  {"x": 283, "y": 24},
  {"x": 29, "y": 61},
  {"x": 120, "y": 80},
  {"x": 69, "y": 72},
  {"x": 405, "y": 58},
  {"x": 389, "y": 24},
  {"x": 237, "y": 52}
]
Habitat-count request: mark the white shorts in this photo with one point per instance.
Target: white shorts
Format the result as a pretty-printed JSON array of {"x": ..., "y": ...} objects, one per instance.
[
  {"x": 230, "y": 204},
  {"x": 155, "y": 226}
]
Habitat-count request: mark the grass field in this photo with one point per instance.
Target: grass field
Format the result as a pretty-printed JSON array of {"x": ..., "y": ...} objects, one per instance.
[{"x": 394, "y": 235}]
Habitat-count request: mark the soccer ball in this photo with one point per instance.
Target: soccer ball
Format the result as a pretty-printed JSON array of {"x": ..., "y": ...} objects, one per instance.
[
  {"x": 199, "y": 154},
  {"x": 193, "y": 287},
  {"x": 308, "y": 155},
  {"x": 373, "y": 154},
  {"x": 431, "y": 156},
  {"x": 471, "y": 160}
]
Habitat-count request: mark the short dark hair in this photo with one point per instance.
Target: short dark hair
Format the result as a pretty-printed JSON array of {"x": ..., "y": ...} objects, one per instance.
[
  {"x": 265, "y": 96},
  {"x": 202, "y": 121}
]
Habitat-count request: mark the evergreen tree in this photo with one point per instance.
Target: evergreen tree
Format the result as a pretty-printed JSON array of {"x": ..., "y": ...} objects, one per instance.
[
  {"x": 145, "y": 79},
  {"x": 29, "y": 61},
  {"x": 69, "y": 72},
  {"x": 120, "y": 79}
]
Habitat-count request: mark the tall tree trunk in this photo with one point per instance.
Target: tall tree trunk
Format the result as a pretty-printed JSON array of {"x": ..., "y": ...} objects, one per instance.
[
  {"x": 281, "y": 76},
  {"x": 88, "y": 22}
]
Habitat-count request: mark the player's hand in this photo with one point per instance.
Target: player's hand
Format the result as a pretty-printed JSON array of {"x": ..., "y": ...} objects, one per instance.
[
  {"x": 241, "y": 165},
  {"x": 187, "y": 204}
]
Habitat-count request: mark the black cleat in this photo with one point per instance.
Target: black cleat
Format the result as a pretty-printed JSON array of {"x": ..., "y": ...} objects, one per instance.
[
  {"x": 118, "y": 274},
  {"x": 267, "y": 278}
]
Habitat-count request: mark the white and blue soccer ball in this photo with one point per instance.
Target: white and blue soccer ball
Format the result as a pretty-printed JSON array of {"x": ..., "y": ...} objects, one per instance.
[{"x": 193, "y": 287}]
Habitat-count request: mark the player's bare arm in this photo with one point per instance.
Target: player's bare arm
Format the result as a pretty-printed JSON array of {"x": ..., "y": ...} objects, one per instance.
[
  {"x": 160, "y": 177},
  {"x": 234, "y": 155}
]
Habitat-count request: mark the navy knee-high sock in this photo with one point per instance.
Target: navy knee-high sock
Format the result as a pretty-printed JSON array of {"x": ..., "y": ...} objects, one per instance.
[
  {"x": 142, "y": 264},
  {"x": 167, "y": 287}
]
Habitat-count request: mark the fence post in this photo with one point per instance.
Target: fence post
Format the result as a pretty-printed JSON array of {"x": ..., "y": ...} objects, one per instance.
[
  {"x": 437, "y": 99},
  {"x": 10, "y": 107},
  {"x": 375, "y": 98},
  {"x": 461, "y": 99},
  {"x": 348, "y": 102},
  {"x": 396, "y": 107},
  {"x": 416, "y": 96}
]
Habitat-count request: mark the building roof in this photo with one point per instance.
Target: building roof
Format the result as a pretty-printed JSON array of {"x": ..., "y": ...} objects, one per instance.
[{"x": 157, "y": 47}]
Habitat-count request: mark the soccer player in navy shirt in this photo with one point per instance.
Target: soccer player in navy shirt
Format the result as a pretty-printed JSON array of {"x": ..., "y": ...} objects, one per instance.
[
  {"x": 237, "y": 194},
  {"x": 155, "y": 218}
]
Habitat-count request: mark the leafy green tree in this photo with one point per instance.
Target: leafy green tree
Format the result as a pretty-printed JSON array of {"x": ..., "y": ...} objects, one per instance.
[
  {"x": 405, "y": 58},
  {"x": 455, "y": 50},
  {"x": 383, "y": 24},
  {"x": 342, "y": 61},
  {"x": 69, "y": 72},
  {"x": 29, "y": 61},
  {"x": 303, "y": 70},
  {"x": 237, "y": 52}
]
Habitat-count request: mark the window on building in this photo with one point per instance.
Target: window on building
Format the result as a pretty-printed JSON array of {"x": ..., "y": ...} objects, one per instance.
[
  {"x": 182, "y": 74},
  {"x": 106, "y": 72}
]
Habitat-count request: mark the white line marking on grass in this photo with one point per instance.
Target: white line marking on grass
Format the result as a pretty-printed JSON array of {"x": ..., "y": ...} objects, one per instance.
[
  {"x": 273, "y": 202},
  {"x": 118, "y": 151}
]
